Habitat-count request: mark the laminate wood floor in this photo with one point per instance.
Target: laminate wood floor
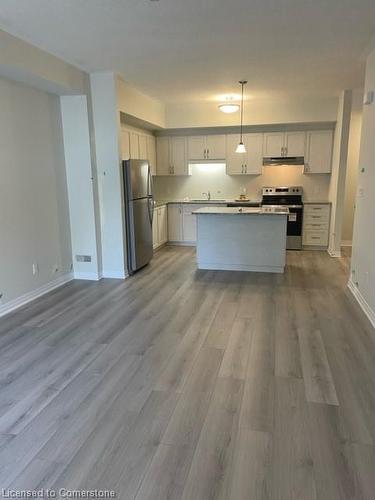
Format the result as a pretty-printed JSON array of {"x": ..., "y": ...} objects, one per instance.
[{"x": 192, "y": 385}]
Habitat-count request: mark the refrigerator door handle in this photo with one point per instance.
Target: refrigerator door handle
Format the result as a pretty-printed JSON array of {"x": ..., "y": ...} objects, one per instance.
[{"x": 150, "y": 196}]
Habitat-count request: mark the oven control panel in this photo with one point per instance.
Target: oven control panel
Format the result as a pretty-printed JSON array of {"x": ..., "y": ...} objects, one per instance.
[{"x": 286, "y": 191}]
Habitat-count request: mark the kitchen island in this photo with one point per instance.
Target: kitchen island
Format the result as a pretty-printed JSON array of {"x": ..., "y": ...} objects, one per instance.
[{"x": 242, "y": 239}]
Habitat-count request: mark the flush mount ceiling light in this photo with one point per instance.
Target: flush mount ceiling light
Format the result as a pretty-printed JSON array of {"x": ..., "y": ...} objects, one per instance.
[
  {"x": 241, "y": 146},
  {"x": 229, "y": 106}
]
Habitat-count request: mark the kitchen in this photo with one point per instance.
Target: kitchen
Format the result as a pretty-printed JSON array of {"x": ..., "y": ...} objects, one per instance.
[
  {"x": 191, "y": 172},
  {"x": 187, "y": 282}
]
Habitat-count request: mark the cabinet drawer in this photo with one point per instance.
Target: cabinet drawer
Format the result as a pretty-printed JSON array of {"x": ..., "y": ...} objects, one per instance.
[
  {"x": 322, "y": 218},
  {"x": 317, "y": 209},
  {"x": 318, "y": 238},
  {"x": 315, "y": 226}
]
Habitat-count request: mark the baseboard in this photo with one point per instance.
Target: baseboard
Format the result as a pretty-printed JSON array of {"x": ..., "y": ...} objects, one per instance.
[
  {"x": 115, "y": 274},
  {"x": 346, "y": 243},
  {"x": 182, "y": 243},
  {"x": 87, "y": 276},
  {"x": 334, "y": 253},
  {"x": 370, "y": 313},
  {"x": 34, "y": 294}
]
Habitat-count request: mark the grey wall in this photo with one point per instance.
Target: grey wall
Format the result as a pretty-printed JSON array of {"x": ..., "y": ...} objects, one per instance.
[
  {"x": 363, "y": 261},
  {"x": 34, "y": 214}
]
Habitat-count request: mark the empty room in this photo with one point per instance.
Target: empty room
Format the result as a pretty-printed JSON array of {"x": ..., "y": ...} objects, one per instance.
[{"x": 187, "y": 272}]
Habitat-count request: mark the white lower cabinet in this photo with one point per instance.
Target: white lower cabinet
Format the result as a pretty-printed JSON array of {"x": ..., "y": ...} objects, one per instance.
[
  {"x": 316, "y": 224},
  {"x": 189, "y": 223},
  {"x": 182, "y": 223},
  {"x": 160, "y": 226},
  {"x": 174, "y": 222}
]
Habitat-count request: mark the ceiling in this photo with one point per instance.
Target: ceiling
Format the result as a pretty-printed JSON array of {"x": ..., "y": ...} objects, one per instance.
[{"x": 192, "y": 50}]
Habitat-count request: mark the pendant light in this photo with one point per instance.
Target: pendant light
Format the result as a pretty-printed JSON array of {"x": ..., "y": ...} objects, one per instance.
[
  {"x": 229, "y": 106},
  {"x": 241, "y": 146}
]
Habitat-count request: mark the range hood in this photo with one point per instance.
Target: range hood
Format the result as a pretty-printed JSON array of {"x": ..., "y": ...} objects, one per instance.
[{"x": 274, "y": 161}]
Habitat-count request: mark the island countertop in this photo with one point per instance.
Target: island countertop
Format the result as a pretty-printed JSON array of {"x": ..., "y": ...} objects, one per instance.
[{"x": 265, "y": 210}]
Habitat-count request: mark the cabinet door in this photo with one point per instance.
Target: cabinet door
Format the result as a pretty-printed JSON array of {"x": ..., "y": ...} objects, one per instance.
[
  {"x": 273, "y": 144},
  {"x": 319, "y": 152},
  {"x": 134, "y": 146},
  {"x": 254, "y": 155},
  {"x": 178, "y": 155},
  {"x": 155, "y": 230},
  {"x": 215, "y": 147},
  {"x": 295, "y": 143},
  {"x": 174, "y": 222},
  {"x": 151, "y": 153},
  {"x": 196, "y": 147},
  {"x": 162, "y": 225},
  {"x": 143, "y": 147},
  {"x": 235, "y": 161},
  {"x": 162, "y": 156},
  {"x": 125, "y": 144}
]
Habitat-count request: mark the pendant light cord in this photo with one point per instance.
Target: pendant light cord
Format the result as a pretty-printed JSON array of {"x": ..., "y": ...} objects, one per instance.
[{"x": 242, "y": 82}]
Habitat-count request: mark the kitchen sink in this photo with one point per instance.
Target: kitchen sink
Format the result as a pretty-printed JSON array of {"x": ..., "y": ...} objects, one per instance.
[{"x": 207, "y": 201}]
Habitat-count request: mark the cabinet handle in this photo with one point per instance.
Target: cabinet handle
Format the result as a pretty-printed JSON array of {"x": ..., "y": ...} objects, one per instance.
[
  {"x": 208, "y": 153},
  {"x": 241, "y": 169},
  {"x": 245, "y": 168},
  {"x": 204, "y": 153}
]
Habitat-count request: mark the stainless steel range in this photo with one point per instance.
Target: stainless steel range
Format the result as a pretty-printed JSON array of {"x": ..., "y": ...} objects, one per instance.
[{"x": 292, "y": 198}]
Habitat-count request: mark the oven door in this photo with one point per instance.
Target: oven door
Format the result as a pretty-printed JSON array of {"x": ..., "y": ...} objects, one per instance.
[{"x": 294, "y": 227}]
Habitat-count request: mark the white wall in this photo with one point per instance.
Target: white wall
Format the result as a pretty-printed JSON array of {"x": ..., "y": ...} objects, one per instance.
[
  {"x": 363, "y": 261},
  {"x": 34, "y": 219},
  {"x": 256, "y": 112},
  {"x": 26, "y": 63},
  {"x": 141, "y": 106},
  {"x": 106, "y": 123},
  {"x": 213, "y": 178},
  {"x": 352, "y": 166},
  {"x": 339, "y": 164},
  {"x": 80, "y": 179}
]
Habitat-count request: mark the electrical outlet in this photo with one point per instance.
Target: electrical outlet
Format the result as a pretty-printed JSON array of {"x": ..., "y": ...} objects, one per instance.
[{"x": 35, "y": 268}]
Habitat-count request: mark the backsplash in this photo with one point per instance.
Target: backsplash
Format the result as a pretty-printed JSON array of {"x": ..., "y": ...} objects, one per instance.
[{"x": 212, "y": 177}]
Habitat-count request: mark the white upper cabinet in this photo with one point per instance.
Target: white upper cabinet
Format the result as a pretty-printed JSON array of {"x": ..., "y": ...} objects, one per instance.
[
  {"x": 134, "y": 146},
  {"x": 206, "y": 147},
  {"x": 284, "y": 144},
  {"x": 162, "y": 156},
  {"x": 143, "y": 147},
  {"x": 254, "y": 153},
  {"x": 295, "y": 144},
  {"x": 215, "y": 147},
  {"x": 235, "y": 161},
  {"x": 318, "y": 158},
  {"x": 273, "y": 144},
  {"x": 196, "y": 147},
  {"x": 125, "y": 144},
  {"x": 171, "y": 156},
  {"x": 249, "y": 163},
  {"x": 178, "y": 157},
  {"x": 151, "y": 153}
]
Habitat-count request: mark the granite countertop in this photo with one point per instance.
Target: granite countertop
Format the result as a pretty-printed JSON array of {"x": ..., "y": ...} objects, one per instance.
[
  {"x": 316, "y": 202},
  {"x": 242, "y": 211},
  {"x": 159, "y": 203}
]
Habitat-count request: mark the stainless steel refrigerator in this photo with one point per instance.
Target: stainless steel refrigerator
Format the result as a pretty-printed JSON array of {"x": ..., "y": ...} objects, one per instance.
[{"x": 139, "y": 208}]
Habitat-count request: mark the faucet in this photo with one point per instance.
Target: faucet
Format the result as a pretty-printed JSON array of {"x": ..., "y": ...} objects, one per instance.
[{"x": 208, "y": 194}]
